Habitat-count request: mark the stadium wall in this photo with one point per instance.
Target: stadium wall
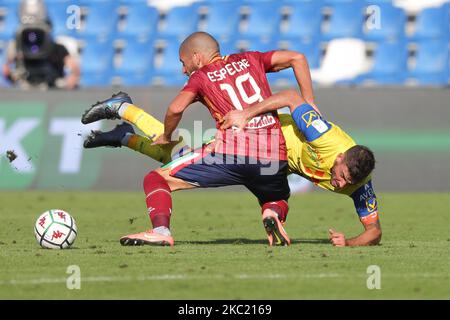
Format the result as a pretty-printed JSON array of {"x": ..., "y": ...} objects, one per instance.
[{"x": 408, "y": 129}]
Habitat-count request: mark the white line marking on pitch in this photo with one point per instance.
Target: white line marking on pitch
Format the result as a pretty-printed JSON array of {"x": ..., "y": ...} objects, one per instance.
[
  {"x": 184, "y": 277},
  {"x": 167, "y": 277}
]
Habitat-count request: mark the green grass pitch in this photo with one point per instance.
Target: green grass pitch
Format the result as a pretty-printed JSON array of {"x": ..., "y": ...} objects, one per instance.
[{"x": 220, "y": 249}]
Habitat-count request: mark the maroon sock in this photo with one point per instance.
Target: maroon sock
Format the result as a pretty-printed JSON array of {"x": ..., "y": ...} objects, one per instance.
[
  {"x": 280, "y": 207},
  {"x": 159, "y": 199}
]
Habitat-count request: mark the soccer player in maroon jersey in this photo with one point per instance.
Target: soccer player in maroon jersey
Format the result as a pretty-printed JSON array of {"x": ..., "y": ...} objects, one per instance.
[{"x": 254, "y": 157}]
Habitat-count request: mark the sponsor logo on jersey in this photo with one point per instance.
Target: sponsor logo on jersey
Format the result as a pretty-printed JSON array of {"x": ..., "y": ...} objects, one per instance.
[
  {"x": 320, "y": 126},
  {"x": 261, "y": 122},
  {"x": 371, "y": 204},
  {"x": 309, "y": 117},
  {"x": 368, "y": 193}
]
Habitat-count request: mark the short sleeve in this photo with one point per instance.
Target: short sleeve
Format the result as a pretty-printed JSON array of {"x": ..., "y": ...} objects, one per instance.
[
  {"x": 365, "y": 202},
  {"x": 266, "y": 58}
]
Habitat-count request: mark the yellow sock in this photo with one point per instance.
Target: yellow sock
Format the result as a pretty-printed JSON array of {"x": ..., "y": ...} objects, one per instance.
[
  {"x": 144, "y": 145},
  {"x": 160, "y": 153},
  {"x": 145, "y": 122}
]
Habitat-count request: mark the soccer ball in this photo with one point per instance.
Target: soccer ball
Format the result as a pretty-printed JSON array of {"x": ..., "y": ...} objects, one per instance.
[{"x": 55, "y": 229}]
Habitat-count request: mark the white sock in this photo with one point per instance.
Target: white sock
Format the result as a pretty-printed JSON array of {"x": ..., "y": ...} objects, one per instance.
[
  {"x": 162, "y": 230},
  {"x": 122, "y": 109}
]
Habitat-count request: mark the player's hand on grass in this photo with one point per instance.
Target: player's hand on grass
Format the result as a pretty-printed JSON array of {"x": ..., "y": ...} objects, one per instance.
[
  {"x": 337, "y": 239},
  {"x": 162, "y": 139},
  {"x": 234, "y": 118}
]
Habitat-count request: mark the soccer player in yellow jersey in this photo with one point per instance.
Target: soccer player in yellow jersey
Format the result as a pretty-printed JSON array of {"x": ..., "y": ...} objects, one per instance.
[
  {"x": 318, "y": 150},
  {"x": 323, "y": 153}
]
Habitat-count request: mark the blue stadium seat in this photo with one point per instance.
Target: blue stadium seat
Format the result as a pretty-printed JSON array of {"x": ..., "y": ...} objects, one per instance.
[
  {"x": 282, "y": 78},
  {"x": 101, "y": 19},
  {"x": 257, "y": 2},
  {"x": 96, "y": 63},
  {"x": 448, "y": 68},
  {"x": 228, "y": 47},
  {"x": 391, "y": 27},
  {"x": 221, "y": 19},
  {"x": 390, "y": 64},
  {"x": 305, "y": 20},
  {"x": 136, "y": 66},
  {"x": 96, "y": 56},
  {"x": 433, "y": 79},
  {"x": 432, "y": 63},
  {"x": 2, "y": 52},
  {"x": 95, "y": 79},
  {"x": 310, "y": 49},
  {"x": 346, "y": 21},
  {"x": 137, "y": 56},
  {"x": 10, "y": 20},
  {"x": 299, "y": 2},
  {"x": 132, "y": 2},
  {"x": 169, "y": 70},
  {"x": 137, "y": 79},
  {"x": 141, "y": 21},
  {"x": 377, "y": 2},
  {"x": 3, "y": 82},
  {"x": 250, "y": 43},
  {"x": 432, "y": 23},
  {"x": 49, "y": 3},
  {"x": 181, "y": 21},
  {"x": 10, "y": 2},
  {"x": 263, "y": 20},
  {"x": 338, "y": 2},
  {"x": 58, "y": 15}
]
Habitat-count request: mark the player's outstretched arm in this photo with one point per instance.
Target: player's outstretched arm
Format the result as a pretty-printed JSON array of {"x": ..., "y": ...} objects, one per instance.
[
  {"x": 298, "y": 62},
  {"x": 371, "y": 236},
  {"x": 174, "y": 114},
  {"x": 366, "y": 206},
  {"x": 285, "y": 98}
]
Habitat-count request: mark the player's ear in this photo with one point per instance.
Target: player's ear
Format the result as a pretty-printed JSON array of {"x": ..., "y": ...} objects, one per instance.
[{"x": 197, "y": 59}]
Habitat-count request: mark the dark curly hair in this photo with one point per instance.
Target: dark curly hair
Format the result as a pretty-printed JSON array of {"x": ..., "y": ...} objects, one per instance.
[{"x": 360, "y": 162}]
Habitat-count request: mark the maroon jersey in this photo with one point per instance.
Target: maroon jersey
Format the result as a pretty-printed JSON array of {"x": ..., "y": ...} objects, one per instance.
[{"x": 237, "y": 82}]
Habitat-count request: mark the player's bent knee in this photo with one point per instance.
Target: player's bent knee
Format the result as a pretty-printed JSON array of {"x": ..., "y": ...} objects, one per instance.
[
  {"x": 162, "y": 172},
  {"x": 174, "y": 183},
  {"x": 151, "y": 179}
]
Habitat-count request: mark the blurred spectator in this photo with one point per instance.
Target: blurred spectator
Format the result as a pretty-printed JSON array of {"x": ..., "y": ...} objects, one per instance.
[{"x": 34, "y": 58}]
